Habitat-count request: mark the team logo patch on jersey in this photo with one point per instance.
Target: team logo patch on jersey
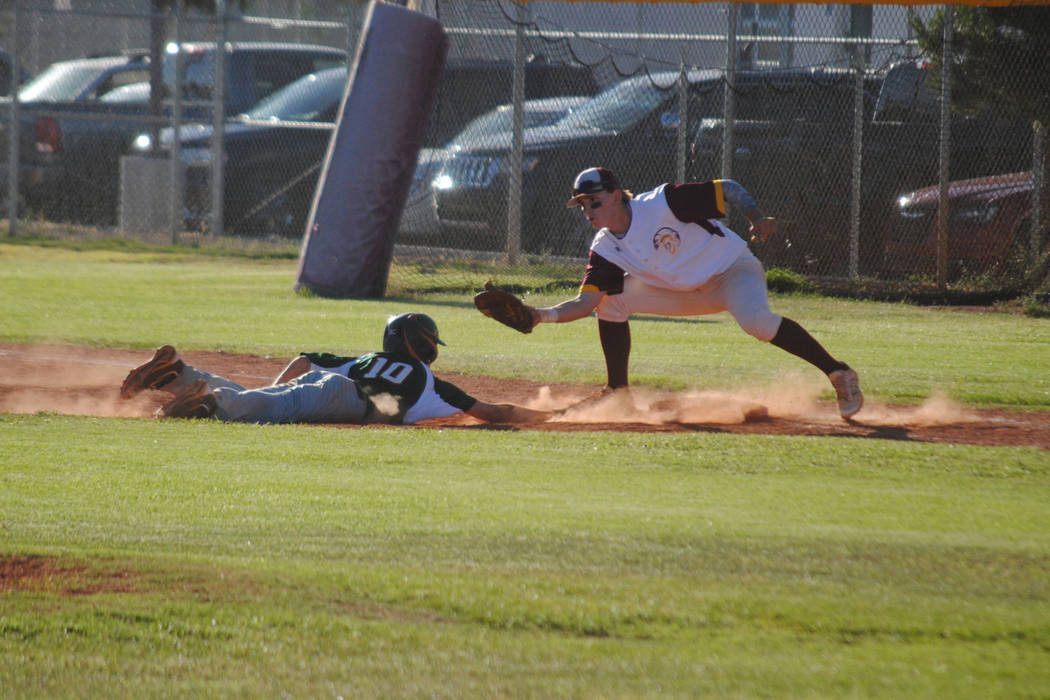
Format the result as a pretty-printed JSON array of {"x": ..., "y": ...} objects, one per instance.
[{"x": 668, "y": 239}]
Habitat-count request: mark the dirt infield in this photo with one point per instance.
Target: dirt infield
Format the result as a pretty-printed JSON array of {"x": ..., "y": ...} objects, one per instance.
[{"x": 85, "y": 381}]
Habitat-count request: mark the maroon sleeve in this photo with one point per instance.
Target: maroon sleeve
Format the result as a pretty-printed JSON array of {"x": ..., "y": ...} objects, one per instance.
[
  {"x": 695, "y": 202},
  {"x": 602, "y": 276}
]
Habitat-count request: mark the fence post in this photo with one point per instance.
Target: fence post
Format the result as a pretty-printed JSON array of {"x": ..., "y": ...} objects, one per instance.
[
  {"x": 176, "y": 141},
  {"x": 683, "y": 117},
  {"x": 517, "y": 141},
  {"x": 12, "y": 136},
  {"x": 1038, "y": 183},
  {"x": 729, "y": 98},
  {"x": 943, "y": 207},
  {"x": 858, "y": 155},
  {"x": 218, "y": 103}
]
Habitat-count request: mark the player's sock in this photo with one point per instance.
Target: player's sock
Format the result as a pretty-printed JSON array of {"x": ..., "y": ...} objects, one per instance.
[
  {"x": 616, "y": 345},
  {"x": 797, "y": 340}
]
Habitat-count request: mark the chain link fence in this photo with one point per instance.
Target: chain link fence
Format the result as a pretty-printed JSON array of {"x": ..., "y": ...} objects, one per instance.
[{"x": 828, "y": 114}]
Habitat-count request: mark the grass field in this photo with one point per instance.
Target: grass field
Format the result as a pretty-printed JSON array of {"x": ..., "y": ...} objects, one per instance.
[{"x": 145, "y": 558}]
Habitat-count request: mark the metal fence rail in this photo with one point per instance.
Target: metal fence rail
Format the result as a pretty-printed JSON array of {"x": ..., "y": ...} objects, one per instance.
[{"x": 828, "y": 114}]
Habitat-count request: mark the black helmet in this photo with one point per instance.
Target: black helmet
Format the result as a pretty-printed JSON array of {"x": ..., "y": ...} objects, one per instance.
[{"x": 412, "y": 333}]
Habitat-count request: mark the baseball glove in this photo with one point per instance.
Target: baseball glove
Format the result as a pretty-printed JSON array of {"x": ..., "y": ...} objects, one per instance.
[{"x": 504, "y": 307}]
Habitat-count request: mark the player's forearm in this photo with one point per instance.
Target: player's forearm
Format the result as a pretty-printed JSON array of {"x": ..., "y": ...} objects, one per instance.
[
  {"x": 506, "y": 413},
  {"x": 296, "y": 368},
  {"x": 570, "y": 310},
  {"x": 741, "y": 200}
]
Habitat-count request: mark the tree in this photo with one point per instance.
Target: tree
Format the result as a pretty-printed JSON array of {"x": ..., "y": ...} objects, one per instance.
[
  {"x": 1002, "y": 55},
  {"x": 1000, "y": 59}
]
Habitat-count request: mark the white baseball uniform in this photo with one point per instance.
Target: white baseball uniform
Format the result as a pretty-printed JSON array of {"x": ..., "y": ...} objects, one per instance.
[{"x": 676, "y": 259}]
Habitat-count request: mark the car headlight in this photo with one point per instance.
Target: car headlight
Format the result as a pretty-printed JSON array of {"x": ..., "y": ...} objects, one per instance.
[
  {"x": 983, "y": 213},
  {"x": 442, "y": 182},
  {"x": 142, "y": 142},
  {"x": 907, "y": 209},
  {"x": 196, "y": 156}
]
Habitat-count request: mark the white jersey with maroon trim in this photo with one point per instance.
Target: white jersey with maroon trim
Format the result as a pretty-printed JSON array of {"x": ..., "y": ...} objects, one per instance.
[{"x": 664, "y": 251}]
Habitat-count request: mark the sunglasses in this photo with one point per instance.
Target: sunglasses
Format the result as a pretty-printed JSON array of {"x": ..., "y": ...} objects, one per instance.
[{"x": 590, "y": 205}]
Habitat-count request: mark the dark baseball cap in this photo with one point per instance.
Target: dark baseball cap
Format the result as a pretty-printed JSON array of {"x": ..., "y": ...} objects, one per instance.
[{"x": 592, "y": 181}]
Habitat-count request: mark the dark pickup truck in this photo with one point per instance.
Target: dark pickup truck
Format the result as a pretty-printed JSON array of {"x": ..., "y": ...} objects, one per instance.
[{"x": 70, "y": 151}]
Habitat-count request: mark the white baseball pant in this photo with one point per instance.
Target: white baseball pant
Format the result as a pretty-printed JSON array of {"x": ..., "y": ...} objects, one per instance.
[
  {"x": 740, "y": 290},
  {"x": 314, "y": 397}
]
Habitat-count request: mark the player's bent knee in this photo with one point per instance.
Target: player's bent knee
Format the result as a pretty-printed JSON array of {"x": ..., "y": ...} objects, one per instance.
[{"x": 764, "y": 328}]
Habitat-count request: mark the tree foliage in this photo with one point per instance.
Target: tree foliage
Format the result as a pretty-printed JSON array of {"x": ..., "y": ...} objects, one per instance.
[
  {"x": 1000, "y": 60},
  {"x": 1001, "y": 57}
]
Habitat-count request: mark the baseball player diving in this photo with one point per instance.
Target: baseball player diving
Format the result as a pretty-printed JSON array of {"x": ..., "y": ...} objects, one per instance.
[
  {"x": 664, "y": 252},
  {"x": 395, "y": 385}
]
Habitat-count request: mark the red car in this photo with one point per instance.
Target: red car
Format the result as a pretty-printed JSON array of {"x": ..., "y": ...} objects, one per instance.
[{"x": 989, "y": 231}]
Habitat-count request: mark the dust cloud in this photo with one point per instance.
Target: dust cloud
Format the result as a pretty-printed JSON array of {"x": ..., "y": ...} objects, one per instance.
[
  {"x": 791, "y": 397},
  {"x": 86, "y": 381}
]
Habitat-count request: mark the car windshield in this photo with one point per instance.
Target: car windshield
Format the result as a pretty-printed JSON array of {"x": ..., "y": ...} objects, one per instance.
[
  {"x": 500, "y": 120},
  {"x": 135, "y": 92},
  {"x": 59, "y": 83},
  {"x": 304, "y": 100},
  {"x": 619, "y": 107}
]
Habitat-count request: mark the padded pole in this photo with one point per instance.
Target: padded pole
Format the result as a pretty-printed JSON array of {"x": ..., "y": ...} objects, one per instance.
[{"x": 349, "y": 240}]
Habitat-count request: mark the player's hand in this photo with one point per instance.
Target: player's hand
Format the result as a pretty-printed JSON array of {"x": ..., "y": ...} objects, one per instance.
[{"x": 763, "y": 228}]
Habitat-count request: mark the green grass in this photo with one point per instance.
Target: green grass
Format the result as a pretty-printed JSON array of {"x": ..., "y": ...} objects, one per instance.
[
  {"x": 253, "y": 560},
  {"x": 191, "y": 559}
]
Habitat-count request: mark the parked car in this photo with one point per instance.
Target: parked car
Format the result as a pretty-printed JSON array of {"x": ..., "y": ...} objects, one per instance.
[
  {"x": 631, "y": 127},
  {"x": 84, "y": 79},
  {"x": 273, "y": 155},
  {"x": 989, "y": 229},
  {"x": 470, "y": 88},
  {"x": 63, "y": 82},
  {"x": 419, "y": 218},
  {"x": 70, "y": 149},
  {"x": 792, "y": 137},
  {"x": 271, "y": 168}
]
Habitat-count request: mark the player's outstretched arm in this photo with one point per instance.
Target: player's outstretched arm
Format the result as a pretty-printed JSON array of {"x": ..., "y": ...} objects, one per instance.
[
  {"x": 296, "y": 368},
  {"x": 570, "y": 310},
  {"x": 506, "y": 413},
  {"x": 761, "y": 226}
]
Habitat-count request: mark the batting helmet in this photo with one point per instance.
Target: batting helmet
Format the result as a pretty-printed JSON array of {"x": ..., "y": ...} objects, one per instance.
[{"x": 414, "y": 333}]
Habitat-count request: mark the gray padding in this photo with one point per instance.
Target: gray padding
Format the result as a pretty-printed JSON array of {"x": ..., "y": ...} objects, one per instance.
[{"x": 350, "y": 233}]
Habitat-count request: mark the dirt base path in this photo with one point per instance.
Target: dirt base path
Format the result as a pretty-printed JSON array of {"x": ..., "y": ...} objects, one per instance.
[{"x": 84, "y": 381}]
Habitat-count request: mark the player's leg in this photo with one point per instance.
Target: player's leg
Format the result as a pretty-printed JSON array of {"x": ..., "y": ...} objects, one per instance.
[
  {"x": 615, "y": 337},
  {"x": 743, "y": 289},
  {"x": 167, "y": 372},
  {"x": 191, "y": 374},
  {"x": 315, "y": 397},
  {"x": 614, "y": 332}
]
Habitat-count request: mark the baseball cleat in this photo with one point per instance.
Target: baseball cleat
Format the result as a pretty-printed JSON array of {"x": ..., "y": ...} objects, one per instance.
[
  {"x": 162, "y": 369},
  {"x": 847, "y": 391},
  {"x": 196, "y": 402}
]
